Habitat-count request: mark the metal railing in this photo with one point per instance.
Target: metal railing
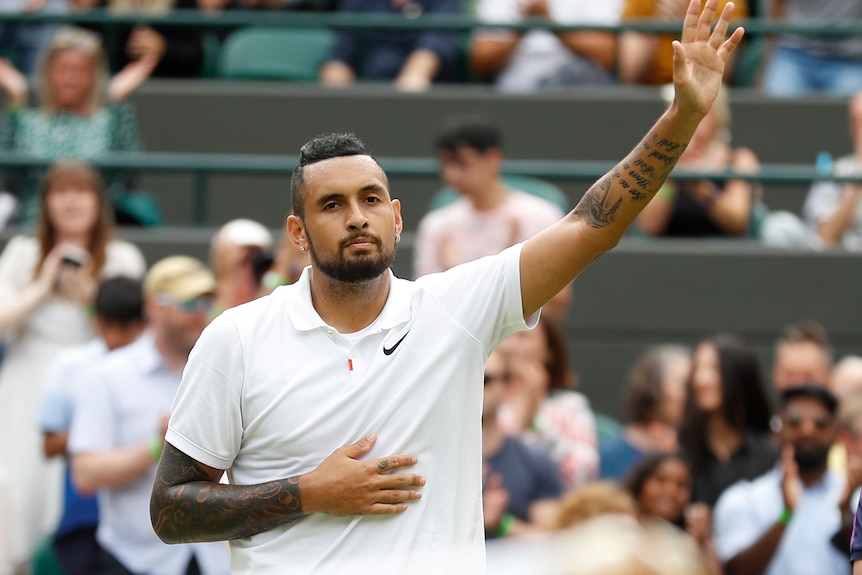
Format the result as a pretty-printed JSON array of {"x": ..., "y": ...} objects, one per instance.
[{"x": 202, "y": 166}]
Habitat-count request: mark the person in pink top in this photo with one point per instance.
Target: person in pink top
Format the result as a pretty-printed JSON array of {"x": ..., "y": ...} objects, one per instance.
[{"x": 488, "y": 216}]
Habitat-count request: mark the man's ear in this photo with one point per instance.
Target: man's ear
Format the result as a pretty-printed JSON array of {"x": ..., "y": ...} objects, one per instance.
[{"x": 295, "y": 228}]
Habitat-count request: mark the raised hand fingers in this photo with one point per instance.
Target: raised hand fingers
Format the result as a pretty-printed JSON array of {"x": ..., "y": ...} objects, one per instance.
[
  {"x": 690, "y": 23},
  {"x": 704, "y": 23}
]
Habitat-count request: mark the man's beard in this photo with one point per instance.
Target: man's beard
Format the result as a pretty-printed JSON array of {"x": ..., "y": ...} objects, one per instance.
[
  {"x": 812, "y": 458},
  {"x": 358, "y": 269}
]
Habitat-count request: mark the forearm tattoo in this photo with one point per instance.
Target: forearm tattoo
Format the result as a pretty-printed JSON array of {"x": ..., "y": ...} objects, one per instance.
[
  {"x": 186, "y": 506},
  {"x": 640, "y": 176}
]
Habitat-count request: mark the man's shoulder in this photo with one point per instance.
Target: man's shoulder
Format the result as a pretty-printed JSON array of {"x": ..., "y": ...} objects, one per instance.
[
  {"x": 531, "y": 205},
  {"x": 748, "y": 492}
]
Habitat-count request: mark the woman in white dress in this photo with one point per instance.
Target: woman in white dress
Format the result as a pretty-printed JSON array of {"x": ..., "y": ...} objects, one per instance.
[{"x": 47, "y": 283}]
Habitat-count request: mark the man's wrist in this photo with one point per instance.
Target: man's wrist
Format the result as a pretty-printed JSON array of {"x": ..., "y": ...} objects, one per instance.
[
  {"x": 155, "y": 447},
  {"x": 786, "y": 516}
]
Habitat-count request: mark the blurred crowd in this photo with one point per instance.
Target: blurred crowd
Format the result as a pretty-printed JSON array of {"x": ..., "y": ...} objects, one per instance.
[{"x": 716, "y": 464}]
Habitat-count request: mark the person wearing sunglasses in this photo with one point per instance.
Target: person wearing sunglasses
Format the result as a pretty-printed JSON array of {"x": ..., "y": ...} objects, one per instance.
[
  {"x": 783, "y": 521},
  {"x": 120, "y": 420}
]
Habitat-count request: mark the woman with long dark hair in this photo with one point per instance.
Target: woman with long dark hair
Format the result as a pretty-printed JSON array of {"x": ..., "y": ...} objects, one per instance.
[{"x": 725, "y": 431}]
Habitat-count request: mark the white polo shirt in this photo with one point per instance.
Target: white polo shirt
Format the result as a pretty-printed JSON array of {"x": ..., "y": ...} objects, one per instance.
[
  {"x": 271, "y": 390},
  {"x": 131, "y": 391}
]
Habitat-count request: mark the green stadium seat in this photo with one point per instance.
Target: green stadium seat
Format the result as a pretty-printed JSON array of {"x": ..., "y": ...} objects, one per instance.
[{"x": 289, "y": 54}]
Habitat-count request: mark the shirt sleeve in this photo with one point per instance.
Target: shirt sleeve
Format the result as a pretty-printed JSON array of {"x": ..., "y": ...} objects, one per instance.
[
  {"x": 820, "y": 202},
  {"x": 93, "y": 426},
  {"x": 483, "y": 296},
  {"x": 206, "y": 418},
  {"x": 735, "y": 527},
  {"x": 55, "y": 412}
]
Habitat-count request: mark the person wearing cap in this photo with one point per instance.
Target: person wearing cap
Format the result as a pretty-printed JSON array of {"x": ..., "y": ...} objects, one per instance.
[
  {"x": 237, "y": 251},
  {"x": 118, "y": 429},
  {"x": 783, "y": 521},
  {"x": 346, "y": 406}
]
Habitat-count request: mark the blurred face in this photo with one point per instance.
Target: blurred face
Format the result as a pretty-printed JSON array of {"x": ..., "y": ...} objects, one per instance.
[
  {"x": 800, "y": 362},
  {"x": 71, "y": 77},
  {"x": 674, "y": 388},
  {"x": 350, "y": 222},
  {"x": 179, "y": 323},
  {"x": 667, "y": 491},
  {"x": 810, "y": 428},
  {"x": 469, "y": 171},
  {"x": 72, "y": 208},
  {"x": 706, "y": 378}
]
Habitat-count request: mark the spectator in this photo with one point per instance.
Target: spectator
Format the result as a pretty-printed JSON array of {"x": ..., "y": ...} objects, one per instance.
[
  {"x": 653, "y": 403},
  {"x": 803, "y": 355},
  {"x": 803, "y": 63},
  {"x": 120, "y": 421},
  {"x": 25, "y": 40},
  {"x": 661, "y": 487},
  {"x": 850, "y": 440},
  {"x": 519, "y": 61},
  {"x": 489, "y": 216},
  {"x": 647, "y": 58},
  {"x": 179, "y": 50},
  {"x": 81, "y": 114},
  {"x": 700, "y": 208},
  {"x": 725, "y": 430},
  {"x": 832, "y": 209},
  {"x": 543, "y": 407},
  {"x": 47, "y": 284},
  {"x": 413, "y": 60},
  {"x": 118, "y": 321},
  {"x": 783, "y": 521},
  {"x": 240, "y": 253},
  {"x": 522, "y": 485}
]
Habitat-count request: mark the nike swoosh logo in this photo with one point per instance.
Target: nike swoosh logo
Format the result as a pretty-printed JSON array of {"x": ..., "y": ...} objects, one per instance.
[{"x": 389, "y": 350}]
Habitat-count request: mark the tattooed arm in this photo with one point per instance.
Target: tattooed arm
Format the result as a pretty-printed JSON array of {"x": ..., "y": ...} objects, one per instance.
[
  {"x": 189, "y": 504},
  {"x": 554, "y": 257}
]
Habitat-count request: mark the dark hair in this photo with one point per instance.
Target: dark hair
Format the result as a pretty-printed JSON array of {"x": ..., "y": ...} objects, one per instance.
[
  {"x": 319, "y": 148},
  {"x": 559, "y": 371},
  {"x": 643, "y": 470},
  {"x": 473, "y": 131},
  {"x": 744, "y": 404},
  {"x": 643, "y": 395},
  {"x": 120, "y": 300},
  {"x": 815, "y": 392}
]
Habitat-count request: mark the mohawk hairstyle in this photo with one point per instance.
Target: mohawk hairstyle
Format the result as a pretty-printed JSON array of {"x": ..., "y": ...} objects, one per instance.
[{"x": 319, "y": 148}]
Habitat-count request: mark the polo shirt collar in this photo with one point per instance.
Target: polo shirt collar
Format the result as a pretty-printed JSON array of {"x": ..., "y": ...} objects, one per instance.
[{"x": 304, "y": 317}]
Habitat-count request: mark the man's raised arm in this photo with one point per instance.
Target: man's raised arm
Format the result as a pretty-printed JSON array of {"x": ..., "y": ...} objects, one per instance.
[{"x": 554, "y": 257}]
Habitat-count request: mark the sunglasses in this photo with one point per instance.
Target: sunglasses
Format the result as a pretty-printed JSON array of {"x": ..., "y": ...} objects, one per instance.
[
  {"x": 194, "y": 305},
  {"x": 820, "y": 423}
]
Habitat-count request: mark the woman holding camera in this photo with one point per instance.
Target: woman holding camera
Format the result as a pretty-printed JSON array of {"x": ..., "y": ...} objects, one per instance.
[{"x": 47, "y": 284}]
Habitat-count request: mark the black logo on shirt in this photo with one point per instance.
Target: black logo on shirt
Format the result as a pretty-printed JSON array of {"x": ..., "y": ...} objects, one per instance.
[{"x": 389, "y": 350}]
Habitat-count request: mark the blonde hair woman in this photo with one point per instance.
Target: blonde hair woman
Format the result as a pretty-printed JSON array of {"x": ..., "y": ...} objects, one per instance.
[
  {"x": 81, "y": 112},
  {"x": 47, "y": 285}
]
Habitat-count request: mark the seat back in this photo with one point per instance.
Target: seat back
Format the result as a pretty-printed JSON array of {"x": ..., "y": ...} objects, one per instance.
[
  {"x": 528, "y": 184},
  {"x": 291, "y": 54}
]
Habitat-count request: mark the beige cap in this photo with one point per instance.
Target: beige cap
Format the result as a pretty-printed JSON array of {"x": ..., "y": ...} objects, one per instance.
[
  {"x": 180, "y": 277},
  {"x": 245, "y": 232}
]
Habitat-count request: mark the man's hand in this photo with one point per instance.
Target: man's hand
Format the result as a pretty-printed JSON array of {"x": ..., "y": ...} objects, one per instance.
[
  {"x": 344, "y": 485},
  {"x": 700, "y": 58}
]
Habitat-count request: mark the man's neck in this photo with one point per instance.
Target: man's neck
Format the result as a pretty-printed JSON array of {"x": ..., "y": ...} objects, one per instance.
[
  {"x": 348, "y": 307},
  {"x": 811, "y": 477},
  {"x": 494, "y": 196},
  {"x": 173, "y": 360}
]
